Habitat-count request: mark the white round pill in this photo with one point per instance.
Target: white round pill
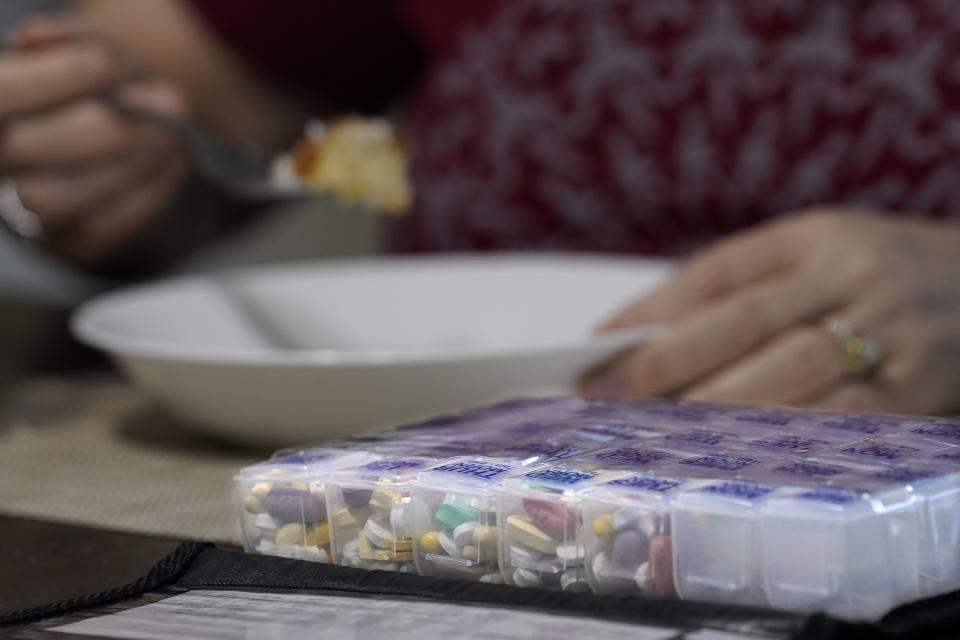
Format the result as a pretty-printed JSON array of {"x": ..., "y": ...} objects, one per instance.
[
  {"x": 571, "y": 555},
  {"x": 378, "y": 533},
  {"x": 491, "y": 578},
  {"x": 463, "y": 534}
]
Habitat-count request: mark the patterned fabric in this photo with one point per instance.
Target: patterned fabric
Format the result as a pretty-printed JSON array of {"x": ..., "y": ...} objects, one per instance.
[{"x": 657, "y": 125}]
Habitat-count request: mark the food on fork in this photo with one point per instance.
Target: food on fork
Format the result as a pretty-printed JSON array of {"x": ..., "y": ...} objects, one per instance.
[{"x": 357, "y": 160}]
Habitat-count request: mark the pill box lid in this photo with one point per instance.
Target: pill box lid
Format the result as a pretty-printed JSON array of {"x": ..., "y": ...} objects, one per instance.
[
  {"x": 473, "y": 474},
  {"x": 943, "y": 431},
  {"x": 561, "y": 478},
  {"x": 738, "y": 492},
  {"x": 871, "y": 425},
  {"x": 304, "y": 465},
  {"x": 395, "y": 469},
  {"x": 645, "y": 486}
]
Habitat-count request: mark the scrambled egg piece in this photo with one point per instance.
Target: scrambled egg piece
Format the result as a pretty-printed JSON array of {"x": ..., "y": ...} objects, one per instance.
[{"x": 358, "y": 160}]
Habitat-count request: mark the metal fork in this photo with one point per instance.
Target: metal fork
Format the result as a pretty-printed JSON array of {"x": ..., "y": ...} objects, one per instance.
[{"x": 243, "y": 172}]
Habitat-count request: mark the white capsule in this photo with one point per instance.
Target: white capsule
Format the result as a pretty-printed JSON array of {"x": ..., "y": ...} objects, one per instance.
[
  {"x": 266, "y": 523},
  {"x": 463, "y": 534},
  {"x": 491, "y": 578},
  {"x": 642, "y": 576},
  {"x": 627, "y": 518},
  {"x": 448, "y": 544},
  {"x": 522, "y": 555},
  {"x": 570, "y": 580},
  {"x": 301, "y": 552},
  {"x": 571, "y": 555},
  {"x": 526, "y": 578},
  {"x": 411, "y": 518},
  {"x": 378, "y": 533},
  {"x": 266, "y": 547}
]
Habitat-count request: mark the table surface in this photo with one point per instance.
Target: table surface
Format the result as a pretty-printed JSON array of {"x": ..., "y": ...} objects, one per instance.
[{"x": 43, "y": 562}]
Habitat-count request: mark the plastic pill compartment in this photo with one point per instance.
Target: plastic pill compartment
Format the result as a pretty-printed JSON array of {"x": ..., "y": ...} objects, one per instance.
[
  {"x": 461, "y": 541},
  {"x": 373, "y": 519},
  {"x": 282, "y": 502},
  {"x": 539, "y": 525}
]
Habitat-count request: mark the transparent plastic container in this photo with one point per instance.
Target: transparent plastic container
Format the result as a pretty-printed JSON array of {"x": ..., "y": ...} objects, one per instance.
[
  {"x": 539, "y": 525},
  {"x": 850, "y": 553},
  {"x": 716, "y": 542},
  {"x": 627, "y": 534},
  {"x": 282, "y": 502},
  {"x": 461, "y": 541},
  {"x": 373, "y": 519}
]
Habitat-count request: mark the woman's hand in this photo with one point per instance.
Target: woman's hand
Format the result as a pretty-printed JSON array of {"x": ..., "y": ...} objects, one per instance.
[
  {"x": 95, "y": 178},
  {"x": 745, "y": 318}
]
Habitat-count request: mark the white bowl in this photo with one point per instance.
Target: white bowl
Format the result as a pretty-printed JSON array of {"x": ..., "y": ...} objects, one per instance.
[{"x": 297, "y": 353}]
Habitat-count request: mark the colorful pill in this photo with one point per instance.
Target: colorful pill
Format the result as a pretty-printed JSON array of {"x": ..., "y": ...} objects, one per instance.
[
  {"x": 452, "y": 514},
  {"x": 525, "y": 532},
  {"x": 603, "y": 527},
  {"x": 430, "y": 542},
  {"x": 551, "y": 517}
]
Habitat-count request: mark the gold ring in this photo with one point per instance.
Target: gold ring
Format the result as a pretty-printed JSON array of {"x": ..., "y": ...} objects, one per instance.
[{"x": 861, "y": 355}]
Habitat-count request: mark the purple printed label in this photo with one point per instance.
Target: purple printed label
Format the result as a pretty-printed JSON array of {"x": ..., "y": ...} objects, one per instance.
[
  {"x": 607, "y": 431},
  {"x": 483, "y": 470},
  {"x": 630, "y": 457},
  {"x": 950, "y": 456},
  {"x": 858, "y": 424},
  {"x": 647, "y": 483},
  {"x": 745, "y": 490},
  {"x": 698, "y": 436},
  {"x": 905, "y": 474},
  {"x": 946, "y": 431},
  {"x": 395, "y": 464},
  {"x": 562, "y": 475},
  {"x": 543, "y": 450},
  {"x": 878, "y": 451},
  {"x": 807, "y": 470},
  {"x": 832, "y": 496},
  {"x": 789, "y": 442},
  {"x": 772, "y": 417},
  {"x": 726, "y": 463}
]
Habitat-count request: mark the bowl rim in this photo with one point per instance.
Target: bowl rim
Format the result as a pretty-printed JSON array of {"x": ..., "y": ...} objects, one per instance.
[{"x": 85, "y": 325}]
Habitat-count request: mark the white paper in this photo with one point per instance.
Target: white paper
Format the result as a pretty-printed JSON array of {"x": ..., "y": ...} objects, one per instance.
[{"x": 216, "y": 615}]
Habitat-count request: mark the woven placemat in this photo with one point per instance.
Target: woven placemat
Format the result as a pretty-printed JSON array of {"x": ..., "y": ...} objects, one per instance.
[{"x": 92, "y": 450}]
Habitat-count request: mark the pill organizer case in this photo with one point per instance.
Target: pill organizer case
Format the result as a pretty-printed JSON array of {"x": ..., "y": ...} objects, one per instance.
[
  {"x": 843, "y": 513},
  {"x": 373, "y": 519},
  {"x": 283, "y": 506}
]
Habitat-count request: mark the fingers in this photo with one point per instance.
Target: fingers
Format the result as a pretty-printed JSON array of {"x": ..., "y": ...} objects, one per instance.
[
  {"x": 60, "y": 197},
  {"x": 803, "y": 364},
  {"x": 771, "y": 248},
  {"x": 85, "y": 130},
  {"x": 94, "y": 238},
  {"x": 32, "y": 80},
  {"x": 716, "y": 335}
]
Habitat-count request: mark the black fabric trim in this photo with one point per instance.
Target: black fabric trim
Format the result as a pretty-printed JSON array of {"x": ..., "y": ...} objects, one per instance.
[
  {"x": 165, "y": 572},
  {"x": 225, "y": 570},
  {"x": 195, "y": 565}
]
